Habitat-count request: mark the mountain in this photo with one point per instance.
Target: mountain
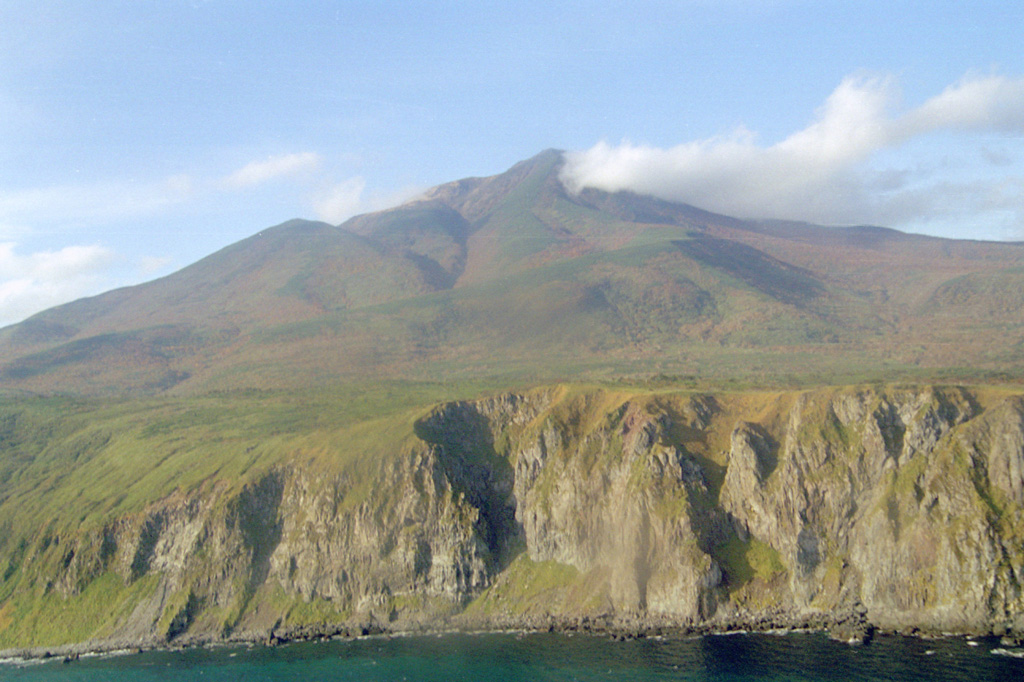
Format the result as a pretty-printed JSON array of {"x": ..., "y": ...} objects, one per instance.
[
  {"x": 504, "y": 405},
  {"x": 512, "y": 277}
]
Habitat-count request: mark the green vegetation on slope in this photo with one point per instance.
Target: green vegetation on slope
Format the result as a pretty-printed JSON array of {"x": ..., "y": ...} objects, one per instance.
[
  {"x": 385, "y": 502},
  {"x": 512, "y": 279}
]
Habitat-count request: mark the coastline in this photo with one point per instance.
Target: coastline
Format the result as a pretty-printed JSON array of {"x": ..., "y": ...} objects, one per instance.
[
  {"x": 851, "y": 628},
  {"x": 828, "y": 528}
]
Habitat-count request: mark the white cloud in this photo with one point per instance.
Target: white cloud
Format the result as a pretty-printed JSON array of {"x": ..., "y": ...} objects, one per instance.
[
  {"x": 346, "y": 199},
  {"x": 89, "y": 202},
  {"x": 993, "y": 103},
  {"x": 822, "y": 173},
  {"x": 258, "y": 172},
  {"x": 340, "y": 201},
  {"x": 151, "y": 265},
  {"x": 33, "y": 282},
  {"x": 82, "y": 204}
]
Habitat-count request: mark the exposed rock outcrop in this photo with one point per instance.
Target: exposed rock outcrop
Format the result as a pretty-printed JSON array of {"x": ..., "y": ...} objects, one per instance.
[{"x": 891, "y": 508}]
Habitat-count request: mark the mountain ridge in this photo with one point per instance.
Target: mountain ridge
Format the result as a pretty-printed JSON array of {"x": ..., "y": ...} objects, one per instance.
[{"x": 506, "y": 256}]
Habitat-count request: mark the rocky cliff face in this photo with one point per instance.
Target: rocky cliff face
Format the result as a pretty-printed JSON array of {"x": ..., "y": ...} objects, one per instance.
[
  {"x": 904, "y": 505},
  {"x": 886, "y": 500}
]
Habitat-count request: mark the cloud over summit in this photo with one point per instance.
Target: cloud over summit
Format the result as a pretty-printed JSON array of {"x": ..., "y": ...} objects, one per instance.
[{"x": 824, "y": 173}]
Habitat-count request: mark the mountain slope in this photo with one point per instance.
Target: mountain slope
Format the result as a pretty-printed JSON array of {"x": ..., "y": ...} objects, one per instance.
[
  {"x": 512, "y": 277},
  {"x": 350, "y": 429}
]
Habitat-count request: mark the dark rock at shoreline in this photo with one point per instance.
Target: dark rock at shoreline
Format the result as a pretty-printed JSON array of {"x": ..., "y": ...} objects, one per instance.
[
  {"x": 1015, "y": 641},
  {"x": 853, "y": 629}
]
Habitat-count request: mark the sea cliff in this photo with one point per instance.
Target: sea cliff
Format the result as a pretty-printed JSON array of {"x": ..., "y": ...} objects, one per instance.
[{"x": 853, "y": 508}]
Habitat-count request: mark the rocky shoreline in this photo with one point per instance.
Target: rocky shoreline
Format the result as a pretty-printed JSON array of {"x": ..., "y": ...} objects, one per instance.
[{"x": 851, "y": 628}]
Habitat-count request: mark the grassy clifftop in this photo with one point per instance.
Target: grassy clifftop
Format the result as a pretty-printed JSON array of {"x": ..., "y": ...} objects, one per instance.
[{"x": 239, "y": 515}]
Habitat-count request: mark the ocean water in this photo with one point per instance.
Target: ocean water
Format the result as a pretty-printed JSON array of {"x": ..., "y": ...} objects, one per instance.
[{"x": 490, "y": 657}]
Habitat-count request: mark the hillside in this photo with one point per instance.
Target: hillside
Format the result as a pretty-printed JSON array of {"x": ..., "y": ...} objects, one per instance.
[
  {"x": 264, "y": 517},
  {"x": 514, "y": 279},
  {"x": 505, "y": 405}
]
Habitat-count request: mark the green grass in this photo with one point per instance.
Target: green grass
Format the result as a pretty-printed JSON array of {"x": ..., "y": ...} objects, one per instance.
[
  {"x": 747, "y": 561},
  {"x": 73, "y": 462},
  {"x": 50, "y": 619},
  {"x": 527, "y": 586}
]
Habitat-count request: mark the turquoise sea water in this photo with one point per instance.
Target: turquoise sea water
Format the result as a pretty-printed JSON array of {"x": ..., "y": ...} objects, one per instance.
[{"x": 486, "y": 658}]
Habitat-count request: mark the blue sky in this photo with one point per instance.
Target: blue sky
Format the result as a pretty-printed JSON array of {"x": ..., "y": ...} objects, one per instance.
[{"x": 137, "y": 137}]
